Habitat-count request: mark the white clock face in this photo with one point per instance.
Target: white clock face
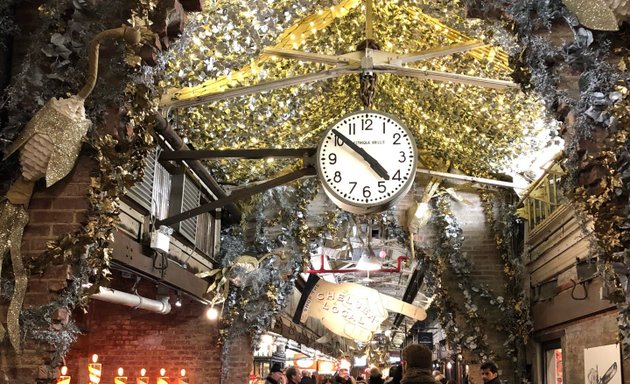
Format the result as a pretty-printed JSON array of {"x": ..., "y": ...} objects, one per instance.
[{"x": 367, "y": 161}]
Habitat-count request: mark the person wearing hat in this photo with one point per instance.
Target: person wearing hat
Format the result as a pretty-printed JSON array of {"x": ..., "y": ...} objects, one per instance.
[
  {"x": 275, "y": 375},
  {"x": 417, "y": 364}
]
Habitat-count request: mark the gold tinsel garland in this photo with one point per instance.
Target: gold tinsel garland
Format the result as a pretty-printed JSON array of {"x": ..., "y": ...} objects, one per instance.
[{"x": 479, "y": 129}]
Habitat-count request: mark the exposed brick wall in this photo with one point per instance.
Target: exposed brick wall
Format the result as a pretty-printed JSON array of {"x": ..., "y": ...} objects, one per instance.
[
  {"x": 135, "y": 339},
  {"x": 53, "y": 211},
  {"x": 487, "y": 267}
]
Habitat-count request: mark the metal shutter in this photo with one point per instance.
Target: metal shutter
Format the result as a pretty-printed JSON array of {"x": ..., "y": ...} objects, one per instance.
[
  {"x": 142, "y": 191},
  {"x": 184, "y": 196}
]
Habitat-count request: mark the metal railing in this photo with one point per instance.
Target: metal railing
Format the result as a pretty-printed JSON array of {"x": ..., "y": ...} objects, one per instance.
[{"x": 543, "y": 196}]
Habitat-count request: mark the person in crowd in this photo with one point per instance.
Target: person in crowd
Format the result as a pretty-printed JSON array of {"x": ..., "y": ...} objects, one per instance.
[
  {"x": 376, "y": 377},
  {"x": 490, "y": 373},
  {"x": 436, "y": 372},
  {"x": 395, "y": 374},
  {"x": 275, "y": 375},
  {"x": 439, "y": 378},
  {"x": 306, "y": 378},
  {"x": 327, "y": 380},
  {"x": 294, "y": 376},
  {"x": 343, "y": 377},
  {"x": 417, "y": 364},
  {"x": 361, "y": 379}
]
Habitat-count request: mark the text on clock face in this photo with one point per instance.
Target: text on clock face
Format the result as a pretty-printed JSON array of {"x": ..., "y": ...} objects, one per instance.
[{"x": 352, "y": 170}]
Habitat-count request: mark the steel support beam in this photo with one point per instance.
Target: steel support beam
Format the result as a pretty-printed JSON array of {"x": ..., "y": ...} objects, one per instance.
[
  {"x": 236, "y": 154},
  {"x": 238, "y": 195}
]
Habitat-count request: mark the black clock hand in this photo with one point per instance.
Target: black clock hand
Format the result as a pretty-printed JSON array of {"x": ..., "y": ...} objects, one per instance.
[{"x": 378, "y": 168}]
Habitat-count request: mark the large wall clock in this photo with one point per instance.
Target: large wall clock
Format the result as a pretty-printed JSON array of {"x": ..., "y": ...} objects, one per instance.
[{"x": 366, "y": 161}]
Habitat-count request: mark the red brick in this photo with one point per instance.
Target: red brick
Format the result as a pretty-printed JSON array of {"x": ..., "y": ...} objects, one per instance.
[
  {"x": 61, "y": 229},
  {"x": 40, "y": 203},
  {"x": 38, "y": 243},
  {"x": 40, "y": 216},
  {"x": 77, "y": 203},
  {"x": 37, "y": 230}
]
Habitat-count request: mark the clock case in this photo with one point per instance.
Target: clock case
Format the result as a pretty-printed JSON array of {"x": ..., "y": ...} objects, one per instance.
[{"x": 367, "y": 208}]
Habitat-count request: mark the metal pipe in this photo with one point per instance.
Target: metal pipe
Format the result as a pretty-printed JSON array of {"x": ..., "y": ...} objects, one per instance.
[
  {"x": 132, "y": 300},
  {"x": 321, "y": 269},
  {"x": 479, "y": 180}
]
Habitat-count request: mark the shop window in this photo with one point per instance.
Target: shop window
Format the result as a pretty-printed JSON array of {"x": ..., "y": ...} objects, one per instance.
[{"x": 552, "y": 359}]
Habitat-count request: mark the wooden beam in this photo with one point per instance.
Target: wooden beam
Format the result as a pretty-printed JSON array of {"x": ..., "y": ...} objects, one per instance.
[
  {"x": 262, "y": 87},
  {"x": 437, "y": 52},
  {"x": 238, "y": 195},
  {"x": 236, "y": 154},
  {"x": 446, "y": 76}
]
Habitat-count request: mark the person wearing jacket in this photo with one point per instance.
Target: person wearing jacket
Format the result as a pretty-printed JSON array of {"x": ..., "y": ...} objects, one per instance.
[{"x": 417, "y": 364}]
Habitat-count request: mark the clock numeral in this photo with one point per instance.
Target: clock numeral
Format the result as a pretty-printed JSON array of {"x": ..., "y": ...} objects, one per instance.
[
  {"x": 338, "y": 141},
  {"x": 366, "y": 125},
  {"x": 396, "y": 175},
  {"x": 397, "y": 137},
  {"x": 403, "y": 157},
  {"x": 332, "y": 158},
  {"x": 381, "y": 187},
  {"x": 352, "y": 128},
  {"x": 366, "y": 192},
  {"x": 384, "y": 125},
  {"x": 354, "y": 185},
  {"x": 337, "y": 177}
]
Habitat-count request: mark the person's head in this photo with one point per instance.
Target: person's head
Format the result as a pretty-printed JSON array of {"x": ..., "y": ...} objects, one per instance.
[
  {"x": 375, "y": 371},
  {"x": 343, "y": 373},
  {"x": 306, "y": 373},
  {"x": 489, "y": 371},
  {"x": 436, "y": 372},
  {"x": 294, "y": 374},
  {"x": 416, "y": 356},
  {"x": 440, "y": 378},
  {"x": 276, "y": 372}
]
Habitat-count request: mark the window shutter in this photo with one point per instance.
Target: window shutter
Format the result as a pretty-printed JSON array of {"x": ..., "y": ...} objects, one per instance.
[
  {"x": 142, "y": 191},
  {"x": 185, "y": 195}
]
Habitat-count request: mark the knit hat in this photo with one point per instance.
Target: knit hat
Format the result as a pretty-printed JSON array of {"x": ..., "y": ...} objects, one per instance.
[
  {"x": 418, "y": 356},
  {"x": 276, "y": 368}
]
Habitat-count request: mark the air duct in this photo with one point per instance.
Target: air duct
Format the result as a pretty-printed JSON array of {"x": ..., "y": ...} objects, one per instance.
[{"x": 132, "y": 300}]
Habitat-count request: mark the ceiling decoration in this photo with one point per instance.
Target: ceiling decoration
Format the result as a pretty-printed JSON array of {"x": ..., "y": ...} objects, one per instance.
[{"x": 479, "y": 130}]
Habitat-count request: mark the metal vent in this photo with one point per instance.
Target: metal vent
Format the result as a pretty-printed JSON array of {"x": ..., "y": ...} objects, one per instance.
[
  {"x": 142, "y": 191},
  {"x": 185, "y": 196},
  {"x": 188, "y": 227}
]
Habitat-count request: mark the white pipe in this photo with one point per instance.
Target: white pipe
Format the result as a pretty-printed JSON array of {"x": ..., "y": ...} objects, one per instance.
[{"x": 136, "y": 301}]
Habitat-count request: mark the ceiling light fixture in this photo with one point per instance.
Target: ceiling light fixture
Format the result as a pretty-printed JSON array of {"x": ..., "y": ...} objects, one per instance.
[
  {"x": 178, "y": 301},
  {"x": 368, "y": 263},
  {"x": 212, "y": 313}
]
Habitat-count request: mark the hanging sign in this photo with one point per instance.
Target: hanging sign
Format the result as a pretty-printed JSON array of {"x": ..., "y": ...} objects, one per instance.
[{"x": 349, "y": 310}]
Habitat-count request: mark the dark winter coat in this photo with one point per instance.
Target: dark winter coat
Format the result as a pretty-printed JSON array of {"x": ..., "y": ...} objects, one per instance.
[{"x": 417, "y": 376}]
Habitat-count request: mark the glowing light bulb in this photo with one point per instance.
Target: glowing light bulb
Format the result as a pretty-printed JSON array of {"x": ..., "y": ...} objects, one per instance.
[{"x": 212, "y": 313}]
